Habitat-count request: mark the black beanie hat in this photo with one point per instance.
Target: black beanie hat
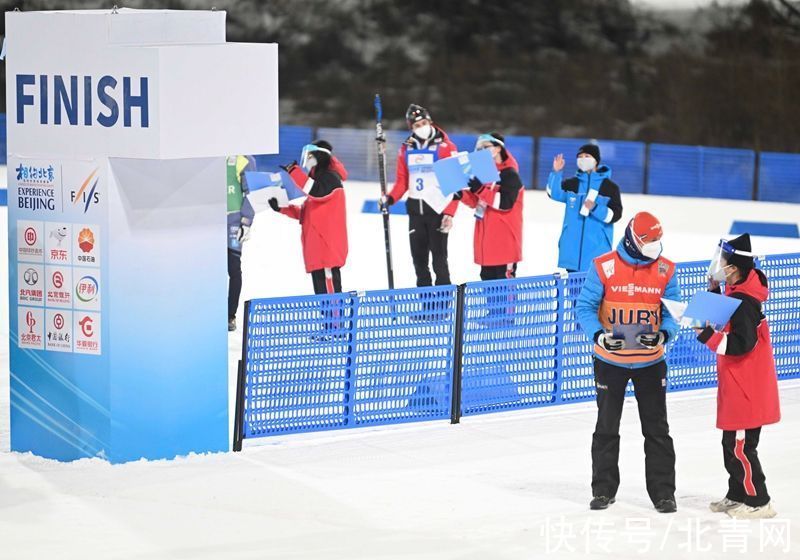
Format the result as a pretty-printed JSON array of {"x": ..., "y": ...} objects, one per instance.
[
  {"x": 323, "y": 159},
  {"x": 741, "y": 243},
  {"x": 591, "y": 149}
]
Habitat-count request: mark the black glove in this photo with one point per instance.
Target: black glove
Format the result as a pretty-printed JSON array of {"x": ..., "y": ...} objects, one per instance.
[
  {"x": 273, "y": 203},
  {"x": 475, "y": 184},
  {"x": 607, "y": 341},
  {"x": 652, "y": 340},
  {"x": 458, "y": 195},
  {"x": 289, "y": 167},
  {"x": 385, "y": 202}
]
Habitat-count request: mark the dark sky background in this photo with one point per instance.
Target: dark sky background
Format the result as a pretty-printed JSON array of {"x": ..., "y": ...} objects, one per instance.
[{"x": 723, "y": 75}]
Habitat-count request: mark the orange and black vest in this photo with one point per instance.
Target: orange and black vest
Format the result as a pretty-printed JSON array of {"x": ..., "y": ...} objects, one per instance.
[{"x": 632, "y": 296}]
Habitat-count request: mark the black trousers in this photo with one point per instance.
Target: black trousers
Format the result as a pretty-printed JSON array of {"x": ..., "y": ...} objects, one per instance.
[
  {"x": 321, "y": 283},
  {"x": 499, "y": 272},
  {"x": 234, "y": 282},
  {"x": 426, "y": 239},
  {"x": 746, "y": 482},
  {"x": 649, "y": 386}
]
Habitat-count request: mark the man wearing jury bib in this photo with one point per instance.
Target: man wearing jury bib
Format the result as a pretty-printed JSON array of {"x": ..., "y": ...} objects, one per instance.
[
  {"x": 620, "y": 308},
  {"x": 430, "y": 213}
]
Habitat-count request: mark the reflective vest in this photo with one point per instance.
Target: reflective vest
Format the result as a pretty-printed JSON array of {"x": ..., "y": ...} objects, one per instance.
[
  {"x": 632, "y": 298},
  {"x": 233, "y": 168}
]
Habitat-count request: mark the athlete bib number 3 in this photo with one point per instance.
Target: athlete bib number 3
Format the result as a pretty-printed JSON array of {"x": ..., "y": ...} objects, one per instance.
[{"x": 420, "y": 184}]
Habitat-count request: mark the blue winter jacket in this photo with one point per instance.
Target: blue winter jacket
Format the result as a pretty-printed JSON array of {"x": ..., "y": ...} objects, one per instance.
[
  {"x": 584, "y": 238},
  {"x": 592, "y": 295}
]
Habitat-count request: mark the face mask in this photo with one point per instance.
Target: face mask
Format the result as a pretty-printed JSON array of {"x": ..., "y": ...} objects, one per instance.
[
  {"x": 651, "y": 250},
  {"x": 586, "y": 164},
  {"x": 423, "y": 132},
  {"x": 719, "y": 274},
  {"x": 311, "y": 162}
]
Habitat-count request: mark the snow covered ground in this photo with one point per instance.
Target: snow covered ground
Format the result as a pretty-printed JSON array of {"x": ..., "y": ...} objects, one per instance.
[{"x": 512, "y": 485}]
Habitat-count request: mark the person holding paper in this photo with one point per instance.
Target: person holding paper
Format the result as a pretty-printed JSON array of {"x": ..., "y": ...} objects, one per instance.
[
  {"x": 592, "y": 207},
  {"x": 747, "y": 390},
  {"x": 322, "y": 215},
  {"x": 240, "y": 218},
  {"x": 620, "y": 309},
  {"x": 498, "y": 212},
  {"x": 430, "y": 213}
]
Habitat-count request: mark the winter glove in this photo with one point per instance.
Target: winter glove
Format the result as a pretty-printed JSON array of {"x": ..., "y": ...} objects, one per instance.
[
  {"x": 458, "y": 195},
  {"x": 384, "y": 202},
  {"x": 243, "y": 233},
  {"x": 475, "y": 184},
  {"x": 289, "y": 167},
  {"x": 652, "y": 340},
  {"x": 607, "y": 341},
  {"x": 273, "y": 203},
  {"x": 447, "y": 224}
]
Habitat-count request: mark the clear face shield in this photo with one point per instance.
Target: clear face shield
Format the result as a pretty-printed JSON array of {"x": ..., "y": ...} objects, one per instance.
[
  {"x": 307, "y": 159},
  {"x": 719, "y": 262}
]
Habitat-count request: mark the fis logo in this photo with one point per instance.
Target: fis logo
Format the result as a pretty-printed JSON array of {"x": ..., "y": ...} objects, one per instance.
[{"x": 86, "y": 195}]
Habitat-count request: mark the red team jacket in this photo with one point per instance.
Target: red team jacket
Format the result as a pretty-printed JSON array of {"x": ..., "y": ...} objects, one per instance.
[
  {"x": 747, "y": 392},
  {"x": 445, "y": 149},
  {"x": 498, "y": 235},
  {"x": 323, "y": 222}
]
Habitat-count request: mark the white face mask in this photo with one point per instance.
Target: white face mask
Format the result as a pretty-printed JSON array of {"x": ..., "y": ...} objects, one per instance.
[
  {"x": 311, "y": 162},
  {"x": 651, "y": 250},
  {"x": 423, "y": 132},
  {"x": 719, "y": 275},
  {"x": 586, "y": 164}
]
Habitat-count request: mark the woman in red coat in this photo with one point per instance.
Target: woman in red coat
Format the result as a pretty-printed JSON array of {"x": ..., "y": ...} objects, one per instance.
[
  {"x": 322, "y": 215},
  {"x": 747, "y": 393},
  {"x": 498, "y": 213}
]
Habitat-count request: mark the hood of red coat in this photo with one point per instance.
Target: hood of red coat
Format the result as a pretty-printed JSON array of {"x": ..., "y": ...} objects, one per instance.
[
  {"x": 338, "y": 167},
  {"x": 755, "y": 286},
  {"x": 509, "y": 162}
]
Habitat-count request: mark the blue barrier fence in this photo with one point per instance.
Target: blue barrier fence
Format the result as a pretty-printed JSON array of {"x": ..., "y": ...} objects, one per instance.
[
  {"x": 636, "y": 167},
  {"x": 359, "y": 359}
]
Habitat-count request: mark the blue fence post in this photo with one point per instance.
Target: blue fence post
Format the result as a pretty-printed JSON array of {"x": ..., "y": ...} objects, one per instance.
[
  {"x": 561, "y": 287},
  {"x": 351, "y": 367}
]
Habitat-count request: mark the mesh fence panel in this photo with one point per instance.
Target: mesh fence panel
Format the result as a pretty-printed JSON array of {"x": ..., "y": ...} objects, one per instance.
[{"x": 323, "y": 362}]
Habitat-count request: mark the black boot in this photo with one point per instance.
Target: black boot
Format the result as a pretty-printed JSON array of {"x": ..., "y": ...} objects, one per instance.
[
  {"x": 601, "y": 502},
  {"x": 667, "y": 505}
]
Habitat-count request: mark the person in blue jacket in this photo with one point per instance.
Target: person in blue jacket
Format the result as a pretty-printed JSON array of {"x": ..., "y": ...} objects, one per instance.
[
  {"x": 593, "y": 206},
  {"x": 620, "y": 309}
]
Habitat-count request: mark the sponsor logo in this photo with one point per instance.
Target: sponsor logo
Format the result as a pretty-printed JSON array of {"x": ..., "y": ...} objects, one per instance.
[
  {"x": 31, "y": 277},
  {"x": 30, "y": 320},
  {"x": 608, "y": 268},
  {"x": 420, "y": 159},
  {"x": 663, "y": 268},
  {"x": 30, "y": 236},
  {"x": 58, "y": 321},
  {"x": 86, "y": 240},
  {"x": 632, "y": 289},
  {"x": 97, "y": 100},
  {"x": 59, "y": 234},
  {"x": 87, "y": 326},
  {"x": 86, "y": 195},
  {"x": 58, "y": 279},
  {"x": 36, "y": 187},
  {"x": 86, "y": 289}
]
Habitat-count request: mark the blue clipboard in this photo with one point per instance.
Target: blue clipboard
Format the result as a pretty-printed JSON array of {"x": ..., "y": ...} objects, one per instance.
[
  {"x": 714, "y": 308},
  {"x": 257, "y": 180},
  {"x": 291, "y": 189},
  {"x": 483, "y": 166},
  {"x": 450, "y": 173}
]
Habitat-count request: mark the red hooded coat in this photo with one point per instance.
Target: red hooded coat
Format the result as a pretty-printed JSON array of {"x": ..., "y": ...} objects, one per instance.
[
  {"x": 747, "y": 393},
  {"x": 323, "y": 222},
  {"x": 498, "y": 235}
]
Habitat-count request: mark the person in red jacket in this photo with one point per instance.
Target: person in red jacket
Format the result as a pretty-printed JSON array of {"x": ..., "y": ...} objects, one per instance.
[
  {"x": 747, "y": 390},
  {"x": 322, "y": 215},
  {"x": 498, "y": 213},
  {"x": 430, "y": 213}
]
